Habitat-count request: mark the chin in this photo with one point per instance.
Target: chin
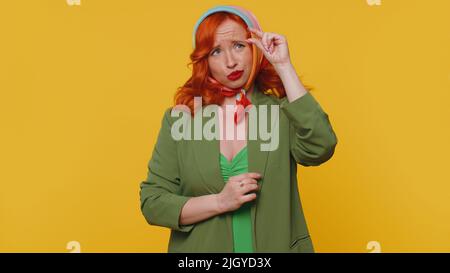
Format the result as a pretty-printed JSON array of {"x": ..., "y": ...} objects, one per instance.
[
  {"x": 240, "y": 83},
  {"x": 235, "y": 84}
]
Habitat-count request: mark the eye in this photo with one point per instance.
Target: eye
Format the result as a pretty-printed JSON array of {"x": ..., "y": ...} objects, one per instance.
[
  {"x": 240, "y": 45},
  {"x": 214, "y": 51}
]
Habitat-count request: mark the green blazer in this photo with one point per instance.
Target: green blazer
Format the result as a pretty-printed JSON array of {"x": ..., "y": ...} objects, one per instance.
[{"x": 181, "y": 169}]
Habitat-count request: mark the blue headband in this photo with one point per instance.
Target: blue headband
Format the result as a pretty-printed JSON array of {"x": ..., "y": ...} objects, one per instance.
[{"x": 229, "y": 9}]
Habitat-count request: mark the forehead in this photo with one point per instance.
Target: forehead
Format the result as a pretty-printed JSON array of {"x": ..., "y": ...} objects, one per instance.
[{"x": 228, "y": 31}]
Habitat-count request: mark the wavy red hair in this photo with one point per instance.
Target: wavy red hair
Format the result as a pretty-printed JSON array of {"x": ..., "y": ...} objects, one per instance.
[{"x": 197, "y": 85}]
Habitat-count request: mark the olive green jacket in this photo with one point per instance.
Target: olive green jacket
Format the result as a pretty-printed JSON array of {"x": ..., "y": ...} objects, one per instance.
[{"x": 181, "y": 169}]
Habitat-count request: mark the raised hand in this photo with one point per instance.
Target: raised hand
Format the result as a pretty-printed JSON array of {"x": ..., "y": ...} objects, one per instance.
[{"x": 273, "y": 45}]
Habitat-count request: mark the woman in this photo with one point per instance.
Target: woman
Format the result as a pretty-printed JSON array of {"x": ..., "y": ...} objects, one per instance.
[{"x": 231, "y": 195}]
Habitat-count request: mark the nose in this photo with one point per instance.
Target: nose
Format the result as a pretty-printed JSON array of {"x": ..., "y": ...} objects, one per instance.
[{"x": 230, "y": 60}]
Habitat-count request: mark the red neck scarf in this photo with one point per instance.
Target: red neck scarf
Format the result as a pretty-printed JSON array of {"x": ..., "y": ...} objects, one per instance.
[{"x": 239, "y": 93}]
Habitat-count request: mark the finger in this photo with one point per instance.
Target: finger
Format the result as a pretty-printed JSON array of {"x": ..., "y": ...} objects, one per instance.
[
  {"x": 245, "y": 175},
  {"x": 265, "y": 41},
  {"x": 241, "y": 184},
  {"x": 271, "y": 47},
  {"x": 249, "y": 188},
  {"x": 272, "y": 38},
  {"x": 248, "y": 197},
  {"x": 257, "y": 32},
  {"x": 278, "y": 39},
  {"x": 249, "y": 181},
  {"x": 257, "y": 43},
  {"x": 246, "y": 181}
]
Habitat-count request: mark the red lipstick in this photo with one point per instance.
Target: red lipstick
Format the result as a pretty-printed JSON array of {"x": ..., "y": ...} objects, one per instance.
[{"x": 235, "y": 75}]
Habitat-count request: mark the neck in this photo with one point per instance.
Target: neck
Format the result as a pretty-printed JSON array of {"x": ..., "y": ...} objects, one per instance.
[
  {"x": 229, "y": 101},
  {"x": 250, "y": 91}
]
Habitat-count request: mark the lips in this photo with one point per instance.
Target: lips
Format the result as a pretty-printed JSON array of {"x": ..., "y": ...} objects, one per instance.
[{"x": 235, "y": 75}]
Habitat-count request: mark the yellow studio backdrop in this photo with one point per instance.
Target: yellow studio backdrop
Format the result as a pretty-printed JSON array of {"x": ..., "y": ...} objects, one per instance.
[{"x": 84, "y": 85}]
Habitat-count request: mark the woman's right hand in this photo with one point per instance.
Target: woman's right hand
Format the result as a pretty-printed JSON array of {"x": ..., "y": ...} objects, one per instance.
[{"x": 236, "y": 191}]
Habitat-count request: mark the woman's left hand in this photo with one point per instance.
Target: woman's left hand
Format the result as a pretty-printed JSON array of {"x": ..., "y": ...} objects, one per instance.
[{"x": 273, "y": 45}]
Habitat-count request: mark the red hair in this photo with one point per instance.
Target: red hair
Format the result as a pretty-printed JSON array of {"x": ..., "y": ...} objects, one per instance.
[{"x": 197, "y": 85}]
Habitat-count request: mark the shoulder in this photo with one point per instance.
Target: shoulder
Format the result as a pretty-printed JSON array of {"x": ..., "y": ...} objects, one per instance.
[
  {"x": 173, "y": 113},
  {"x": 268, "y": 98}
]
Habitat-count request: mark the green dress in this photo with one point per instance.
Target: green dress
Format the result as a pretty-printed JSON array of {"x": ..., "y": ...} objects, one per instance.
[{"x": 241, "y": 219}]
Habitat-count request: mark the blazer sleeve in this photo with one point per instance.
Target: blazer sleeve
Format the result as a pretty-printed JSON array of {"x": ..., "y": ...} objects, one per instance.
[
  {"x": 160, "y": 198},
  {"x": 312, "y": 139}
]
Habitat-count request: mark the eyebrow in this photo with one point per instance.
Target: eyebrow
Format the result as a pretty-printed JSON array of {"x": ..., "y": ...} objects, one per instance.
[{"x": 233, "y": 41}]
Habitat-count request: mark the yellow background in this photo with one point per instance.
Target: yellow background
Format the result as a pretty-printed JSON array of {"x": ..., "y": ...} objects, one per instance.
[{"x": 83, "y": 89}]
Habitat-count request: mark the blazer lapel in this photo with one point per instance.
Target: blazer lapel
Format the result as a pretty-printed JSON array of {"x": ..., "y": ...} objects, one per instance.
[
  {"x": 206, "y": 154},
  {"x": 257, "y": 159}
]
